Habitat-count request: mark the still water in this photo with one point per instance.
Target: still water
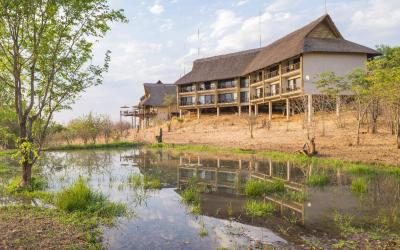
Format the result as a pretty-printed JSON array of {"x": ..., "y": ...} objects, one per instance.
[{"x": 162, "y": 221}]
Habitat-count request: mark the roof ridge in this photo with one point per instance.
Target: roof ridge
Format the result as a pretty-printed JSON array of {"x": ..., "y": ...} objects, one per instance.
[{"x": 228, "y": 55}]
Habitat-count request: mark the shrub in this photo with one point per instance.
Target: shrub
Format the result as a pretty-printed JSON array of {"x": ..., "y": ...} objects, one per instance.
[
  {"x": 318, "y": 179},
  {"x": 79, "y": 197},
  {"x": 258, "y": 208},
  {"x": 37, "y": 184}
]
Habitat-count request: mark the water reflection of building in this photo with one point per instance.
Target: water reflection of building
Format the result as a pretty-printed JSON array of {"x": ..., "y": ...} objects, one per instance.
[{"x": 229, "y": 176}]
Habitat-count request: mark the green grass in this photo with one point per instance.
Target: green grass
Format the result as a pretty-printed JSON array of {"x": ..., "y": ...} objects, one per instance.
[
  {"x": 318, "y": 180},
  {"x": 255, "y": 188},
  {"x": 146, "y": 182},
  {"x": 352, "y": 167},
  {"x": 191, "y": 196},
  {"x": 8, "y": 152},
  {"x": 80, "y": 197},
  {"x": 359, "y": 185},
  {"x": 95, "y": 146},
  {"x": 36, "y": 190},
  {"x": 255, "y": 208},
  {"x": 295, "y": 196},
  {"x": 258, "y": 188}
]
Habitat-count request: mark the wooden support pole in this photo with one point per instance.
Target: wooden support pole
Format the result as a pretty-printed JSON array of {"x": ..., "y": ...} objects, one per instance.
[
  {"x": 270, "y": 111},
  {"x": 240, "y": 110},
  {"x": 180, "y": 113},
  {"x": 249, "y": 109},
  {"x": 288, "y": 171},
  {"x": 217, "y": 111},
  {"x": 287, "y": 109},
  {"x": 256, "y": 109},
  {"x": 198, "y": 113},
  {"x": 338, "y": 102},
  {"x": 310, "y": 111}
]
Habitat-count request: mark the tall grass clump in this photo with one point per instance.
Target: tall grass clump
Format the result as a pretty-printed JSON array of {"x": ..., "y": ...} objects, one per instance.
[
  {"x": 361, "y": 170},
  {"x": 295, "y": 196},
  {"x": 257, "y": 188},
  {"x": 359, "y": 185},
  {"x": 255, "y": 208},
  {"x": 320, "y": 179},
  {"x": 80, "y": 198}
]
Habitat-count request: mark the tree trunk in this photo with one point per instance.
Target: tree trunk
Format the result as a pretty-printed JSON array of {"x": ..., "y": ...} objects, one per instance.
[
  {"x": 374, "y": 117},
  {"x": 26, "y": 174},
  {"x": 358, "y": 131},
  {"x": 398, "y": 130}
]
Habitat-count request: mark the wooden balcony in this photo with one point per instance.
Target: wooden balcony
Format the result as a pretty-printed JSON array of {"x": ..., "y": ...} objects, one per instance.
[{"x": 290, "y": 68}]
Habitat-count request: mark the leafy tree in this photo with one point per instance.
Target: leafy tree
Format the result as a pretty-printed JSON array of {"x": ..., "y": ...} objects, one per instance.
[
  {"x": 169, "y": 101},
  {"x": 45, "y": 59}
]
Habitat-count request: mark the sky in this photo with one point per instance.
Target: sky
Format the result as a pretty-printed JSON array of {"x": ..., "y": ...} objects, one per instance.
[{"x": 162, "y": 38}]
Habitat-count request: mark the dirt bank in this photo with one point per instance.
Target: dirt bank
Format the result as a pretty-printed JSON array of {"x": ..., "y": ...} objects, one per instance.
[{"x": 233, "y": 131}]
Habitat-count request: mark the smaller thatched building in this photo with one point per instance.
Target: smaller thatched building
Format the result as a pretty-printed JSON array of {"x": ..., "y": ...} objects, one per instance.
[{"x": 157, "y": 104}]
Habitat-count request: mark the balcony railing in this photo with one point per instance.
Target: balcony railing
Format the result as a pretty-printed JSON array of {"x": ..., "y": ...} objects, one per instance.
[
  {"x": 268, "y": 94},
  {"x": 291, "y": 67},
  {"x": 205, "y": 103},
  {"x": 187, "y": 104},
  {"x": 257, "y": 96},
  {"x": 244, "y": 99},
  {"x": 206, "y": 88},
  {"x": 272, "y": 74},
  {"x": 227, "y": 101},
  {"x": 293, "y": 89}
]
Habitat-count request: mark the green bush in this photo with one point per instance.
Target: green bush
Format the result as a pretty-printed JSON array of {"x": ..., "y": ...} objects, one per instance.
[
  {"x": 37, "y": 184},
  {"x": 318, "y": 180},
  {"x": 79, "y": 197},
  {"x": 258, "y": 208},
  {"x": 295, "y": 196}
]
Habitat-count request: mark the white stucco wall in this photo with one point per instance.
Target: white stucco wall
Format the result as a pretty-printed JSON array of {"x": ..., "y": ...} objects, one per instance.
[{"x": 339, "y": 63}]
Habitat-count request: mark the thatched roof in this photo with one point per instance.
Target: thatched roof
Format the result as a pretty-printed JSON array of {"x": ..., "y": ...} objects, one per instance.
[
  {"x": 155, "y": 93},
  {"x": 304, "y": 40}
]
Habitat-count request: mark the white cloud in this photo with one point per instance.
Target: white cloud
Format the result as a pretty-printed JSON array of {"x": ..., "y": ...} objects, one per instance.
[
  {"x": 166, "y": 25},
  {"x": 225, "y": 20},
  {"x": 242, "y": 2},
  {"x": 156, "y": 9}
]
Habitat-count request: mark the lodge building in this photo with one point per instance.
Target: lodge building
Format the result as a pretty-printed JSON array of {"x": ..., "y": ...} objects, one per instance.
[{"x": 271, "y": 76}]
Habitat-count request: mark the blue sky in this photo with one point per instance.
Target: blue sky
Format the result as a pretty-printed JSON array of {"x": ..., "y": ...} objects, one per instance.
[{"x": 160, "y": 41}]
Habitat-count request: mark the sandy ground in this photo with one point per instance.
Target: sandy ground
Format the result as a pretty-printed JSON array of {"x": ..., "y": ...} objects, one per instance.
[{"x": 233, "y": 131}]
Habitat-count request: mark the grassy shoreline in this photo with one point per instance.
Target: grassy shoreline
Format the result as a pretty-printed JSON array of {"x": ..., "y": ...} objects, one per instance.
[
  {"x": 123, "y": 144},
  {"x": 349, "y": 166}
]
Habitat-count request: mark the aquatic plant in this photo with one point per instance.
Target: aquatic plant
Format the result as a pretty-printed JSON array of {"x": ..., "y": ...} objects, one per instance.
[
  {"x": 359, "y": 185},
  {"x": 195, "y": 209},
  {"x": 361, "y": 170},
  {"x": 145, "y": 181},
  {"x": 258, "y": 208},
  {"x": 191, "y": 196},
  {"x": 80, "y": 197},
  {"x": 255, "y": 188},
  {"x": 295, "y": 196},
  {"x": 318, "y": 179},
  {"x": 203, "y": 231},
  {"x": 276, "y": 186}
]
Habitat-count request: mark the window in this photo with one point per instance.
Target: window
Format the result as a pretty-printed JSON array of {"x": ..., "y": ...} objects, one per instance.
[
  {"x": 187, "y": 100},
  {"x": 187, "y": 88},
  {"x": 244, "y": 96},
  {"x": 206, "y": 99},
  {"x": 274, "y": 89},
  {"x": 226, "y": 84},
  {"x": 259, "y": 93},
  {"x": 292, "y": 84},
  {"x": 244, "y": 82},
  {"x": 206, "y": 86},
  {"x": 227, "y": 98}
]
